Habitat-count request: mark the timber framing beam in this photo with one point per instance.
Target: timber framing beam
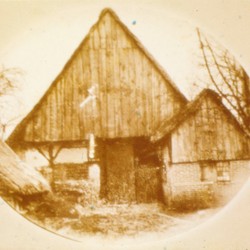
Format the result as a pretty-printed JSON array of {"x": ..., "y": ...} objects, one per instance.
[
  {"x": 64, "y": 144},
  {"x": 49, "y": 152}
]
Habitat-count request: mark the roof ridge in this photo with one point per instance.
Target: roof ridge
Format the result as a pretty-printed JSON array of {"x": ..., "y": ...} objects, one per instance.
[{"x": 107, "y": 10}]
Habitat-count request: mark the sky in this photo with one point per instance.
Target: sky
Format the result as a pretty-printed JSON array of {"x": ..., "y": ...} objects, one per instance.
[{"x": 40, "y": 36}]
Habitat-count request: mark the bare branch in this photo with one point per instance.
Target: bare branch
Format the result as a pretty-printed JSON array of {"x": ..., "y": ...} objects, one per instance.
[{"x": 228, "y": 78}]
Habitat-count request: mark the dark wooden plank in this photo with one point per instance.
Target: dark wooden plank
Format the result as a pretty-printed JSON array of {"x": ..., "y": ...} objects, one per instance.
[
  {"x": 54, "y": 117},
  {"x": 109, "y": 79},
  {"x": 120, "y": 174},
  {"x": 74, "y": 116},
  {"x": 62, "y": 109}
]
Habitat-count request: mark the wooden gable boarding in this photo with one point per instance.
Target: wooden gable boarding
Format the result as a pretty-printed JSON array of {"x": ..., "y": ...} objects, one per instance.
[
  {"x": 133, "y": 94},
  {"x": 205, "y": 130}
]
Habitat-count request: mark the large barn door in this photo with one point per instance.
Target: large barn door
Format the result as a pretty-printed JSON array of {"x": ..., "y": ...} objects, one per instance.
[
  {"x": 148, "y": 184},
  {"x": 120, "y": 174},
  {"x": 149, "y": 176}
]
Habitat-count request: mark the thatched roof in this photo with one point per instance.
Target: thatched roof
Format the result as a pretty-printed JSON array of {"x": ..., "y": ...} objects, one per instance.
[
  {"x": 16, "y": 176},
  {"x": 169, "y": 125}
]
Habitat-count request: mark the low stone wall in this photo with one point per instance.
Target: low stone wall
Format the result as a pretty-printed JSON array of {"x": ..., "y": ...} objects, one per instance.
[
  {"x": 184, "y": 180},
  {"x": 180, "y": 173},
  {"x": 239, "y": 172}
]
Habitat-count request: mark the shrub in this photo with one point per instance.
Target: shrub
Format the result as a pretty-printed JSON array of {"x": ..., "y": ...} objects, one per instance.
[{"x": 83, "y": 192}]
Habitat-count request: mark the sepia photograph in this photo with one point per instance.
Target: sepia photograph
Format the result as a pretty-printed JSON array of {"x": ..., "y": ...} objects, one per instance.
[{"x": 119, "y": 122}]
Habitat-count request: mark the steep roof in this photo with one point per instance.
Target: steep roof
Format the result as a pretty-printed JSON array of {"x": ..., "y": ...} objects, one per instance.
[
  {"x": 169, "y": 125},
  {"x": 16, "y": 176},
  {"x": 131, "y": 98}
]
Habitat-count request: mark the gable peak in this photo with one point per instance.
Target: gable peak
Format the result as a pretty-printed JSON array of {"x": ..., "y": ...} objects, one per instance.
[
  {"x": 106, "y": 11},
  {"x": 208, "y": 93}
]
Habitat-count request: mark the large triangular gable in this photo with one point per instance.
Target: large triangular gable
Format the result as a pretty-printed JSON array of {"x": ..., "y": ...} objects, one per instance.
[{"x": 128, "y": 93}]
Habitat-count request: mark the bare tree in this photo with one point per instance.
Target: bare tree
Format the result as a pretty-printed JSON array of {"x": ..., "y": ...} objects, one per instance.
[
  {"x": 9, "y": 85},
  {"x": 228, "y": 78},
  {"x": 9, "y": 80}
]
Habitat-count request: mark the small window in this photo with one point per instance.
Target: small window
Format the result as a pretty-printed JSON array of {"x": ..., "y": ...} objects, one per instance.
[
  {"x": 207, "y": 170},
  {"x": 223, "y": 172}
]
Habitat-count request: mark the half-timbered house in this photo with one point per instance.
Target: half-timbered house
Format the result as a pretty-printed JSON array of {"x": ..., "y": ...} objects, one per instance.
[
  {"x": 203, "y": 147},
  {"x": 113, "y": 91}
]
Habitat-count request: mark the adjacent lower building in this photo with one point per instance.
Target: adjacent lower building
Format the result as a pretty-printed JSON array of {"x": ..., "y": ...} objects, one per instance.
[{"x": 203, "y": 148}]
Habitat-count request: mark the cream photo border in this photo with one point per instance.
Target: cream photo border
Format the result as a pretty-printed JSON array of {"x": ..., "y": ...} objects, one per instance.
[{"x": 229, "y": 229}]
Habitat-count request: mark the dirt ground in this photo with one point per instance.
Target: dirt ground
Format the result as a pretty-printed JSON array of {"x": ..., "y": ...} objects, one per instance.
[
  {"x": 115, "y": 221},
  {"x": 77, "y": 214}
]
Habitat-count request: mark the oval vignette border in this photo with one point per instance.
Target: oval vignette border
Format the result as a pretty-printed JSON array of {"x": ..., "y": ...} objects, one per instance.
[{"x": 17, "y": 239}]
